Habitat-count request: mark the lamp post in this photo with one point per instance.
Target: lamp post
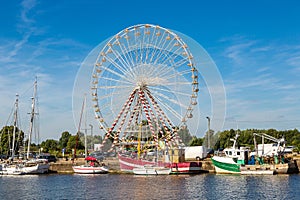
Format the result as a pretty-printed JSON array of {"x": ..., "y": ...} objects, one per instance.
[{"x": 208, "y": 134}]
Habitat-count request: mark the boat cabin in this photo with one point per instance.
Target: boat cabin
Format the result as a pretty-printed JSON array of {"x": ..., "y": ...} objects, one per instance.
[{"x": 240, "y": 156}]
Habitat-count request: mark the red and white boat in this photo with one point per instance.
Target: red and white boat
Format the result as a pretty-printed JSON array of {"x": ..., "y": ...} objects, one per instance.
[
  {"x": 92, "y": 167},
  {"x": 127, "y": 163}
]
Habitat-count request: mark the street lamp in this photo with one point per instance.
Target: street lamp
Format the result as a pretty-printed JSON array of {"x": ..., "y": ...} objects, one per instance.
[{"x": 208, "y": 134}]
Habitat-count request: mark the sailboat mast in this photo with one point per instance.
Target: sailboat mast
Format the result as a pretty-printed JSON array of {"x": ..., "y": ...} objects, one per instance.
[
  {"x": 79, "y": 125},
  {"x": 85, "y": 128},
  {"x": 31, "y": 117},
  {"x": 15, "y": 126}
]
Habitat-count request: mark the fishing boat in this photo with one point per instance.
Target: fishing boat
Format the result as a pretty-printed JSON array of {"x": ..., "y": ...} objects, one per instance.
[
  {"x": 91, "y": 167},
  {"x": 242, "y": 161}
]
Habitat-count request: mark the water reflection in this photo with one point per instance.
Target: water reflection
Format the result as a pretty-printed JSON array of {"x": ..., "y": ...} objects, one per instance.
[{"x": 114, "y": 186}]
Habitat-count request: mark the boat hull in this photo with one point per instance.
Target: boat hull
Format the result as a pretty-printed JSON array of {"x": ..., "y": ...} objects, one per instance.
[
  {"x": 10, "y": 170},
  {"x": 127, "y": 164},
  {"x": 225, "y": 165},
  {"x": 36, "y": 169},
  {"x": 151, "y": 170},
  {"x": 90, "y": 169}
]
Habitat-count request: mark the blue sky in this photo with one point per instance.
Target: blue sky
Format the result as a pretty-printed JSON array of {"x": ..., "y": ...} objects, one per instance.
[{"x": 254, "y": 44}]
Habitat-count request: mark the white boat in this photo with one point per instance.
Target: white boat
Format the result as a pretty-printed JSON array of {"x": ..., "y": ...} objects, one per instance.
[
  {"x": 27, "y": 166},
  {"x": 92, "y": 167},
  {"x": 9, "y": 169},
  {"x": 86, "y": 169},
  {"x": 152, "y": 170},
  {"x": 34, "y": 166}
]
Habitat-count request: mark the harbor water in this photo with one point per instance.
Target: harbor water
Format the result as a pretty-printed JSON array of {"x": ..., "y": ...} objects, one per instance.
[{"x": 127, "y": 186}]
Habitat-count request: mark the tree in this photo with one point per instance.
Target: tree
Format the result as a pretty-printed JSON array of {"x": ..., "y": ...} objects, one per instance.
[
  {"x": 49, "y": 145},
  {"x": 72, "y": 143},
  {"x": 196, "y": 141},
  {"x": 63, "y": 140},
  {"x": 7, "y": 138},
  {"x": 185, "y": 135}
]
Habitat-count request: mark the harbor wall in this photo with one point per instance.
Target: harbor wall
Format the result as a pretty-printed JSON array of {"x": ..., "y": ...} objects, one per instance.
[{"x": 62, "y": 166}]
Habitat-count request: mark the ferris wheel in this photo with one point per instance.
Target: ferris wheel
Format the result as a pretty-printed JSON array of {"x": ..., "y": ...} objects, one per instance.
[{"x": 144, "y": 74}]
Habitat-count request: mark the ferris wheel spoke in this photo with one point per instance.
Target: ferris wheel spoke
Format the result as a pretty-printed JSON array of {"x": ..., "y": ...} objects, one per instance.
[
  {"x": 116, "y": 73},
  {"x": 169, "y": 108},
  {"x": 118, "y": 66},
  {"x": 178, "y": 75},
  {"x": 156, "y": 44},
  {"x": 165, "y": 50},
  {"x": 168, "y": 99},
  {"x": 159, "y": 89},
  {"x": 124, "y": 63},
  {"x": 116, "y": 80}
]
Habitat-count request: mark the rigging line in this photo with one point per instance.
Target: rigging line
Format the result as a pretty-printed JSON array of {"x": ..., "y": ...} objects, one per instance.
[{"x": 9, "y": 117}]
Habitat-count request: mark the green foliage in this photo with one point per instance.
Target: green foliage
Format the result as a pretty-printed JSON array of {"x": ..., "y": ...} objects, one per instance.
[
  {"x": 246, "y": 137},
  {"x": 63, "y": 140},
  {"x": 49, "y": 145},
  {"x": 7, "y": 138},
  {"x": 196, "y": 141},
  {"x": 72, "y": 142},
  {"x": 185, "y": 135}
]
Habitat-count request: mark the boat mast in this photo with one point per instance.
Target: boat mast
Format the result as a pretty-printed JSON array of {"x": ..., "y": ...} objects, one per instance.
[
  {"x": 79, "y": 125},
  {"x": 15, "y": 127},
  {"x": 85, "y": 128},
  {"x": 31, "y": 117}
]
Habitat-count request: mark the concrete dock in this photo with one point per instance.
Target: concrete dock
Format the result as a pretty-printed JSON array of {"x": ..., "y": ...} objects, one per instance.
[{"x": 63, "y": 166}]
